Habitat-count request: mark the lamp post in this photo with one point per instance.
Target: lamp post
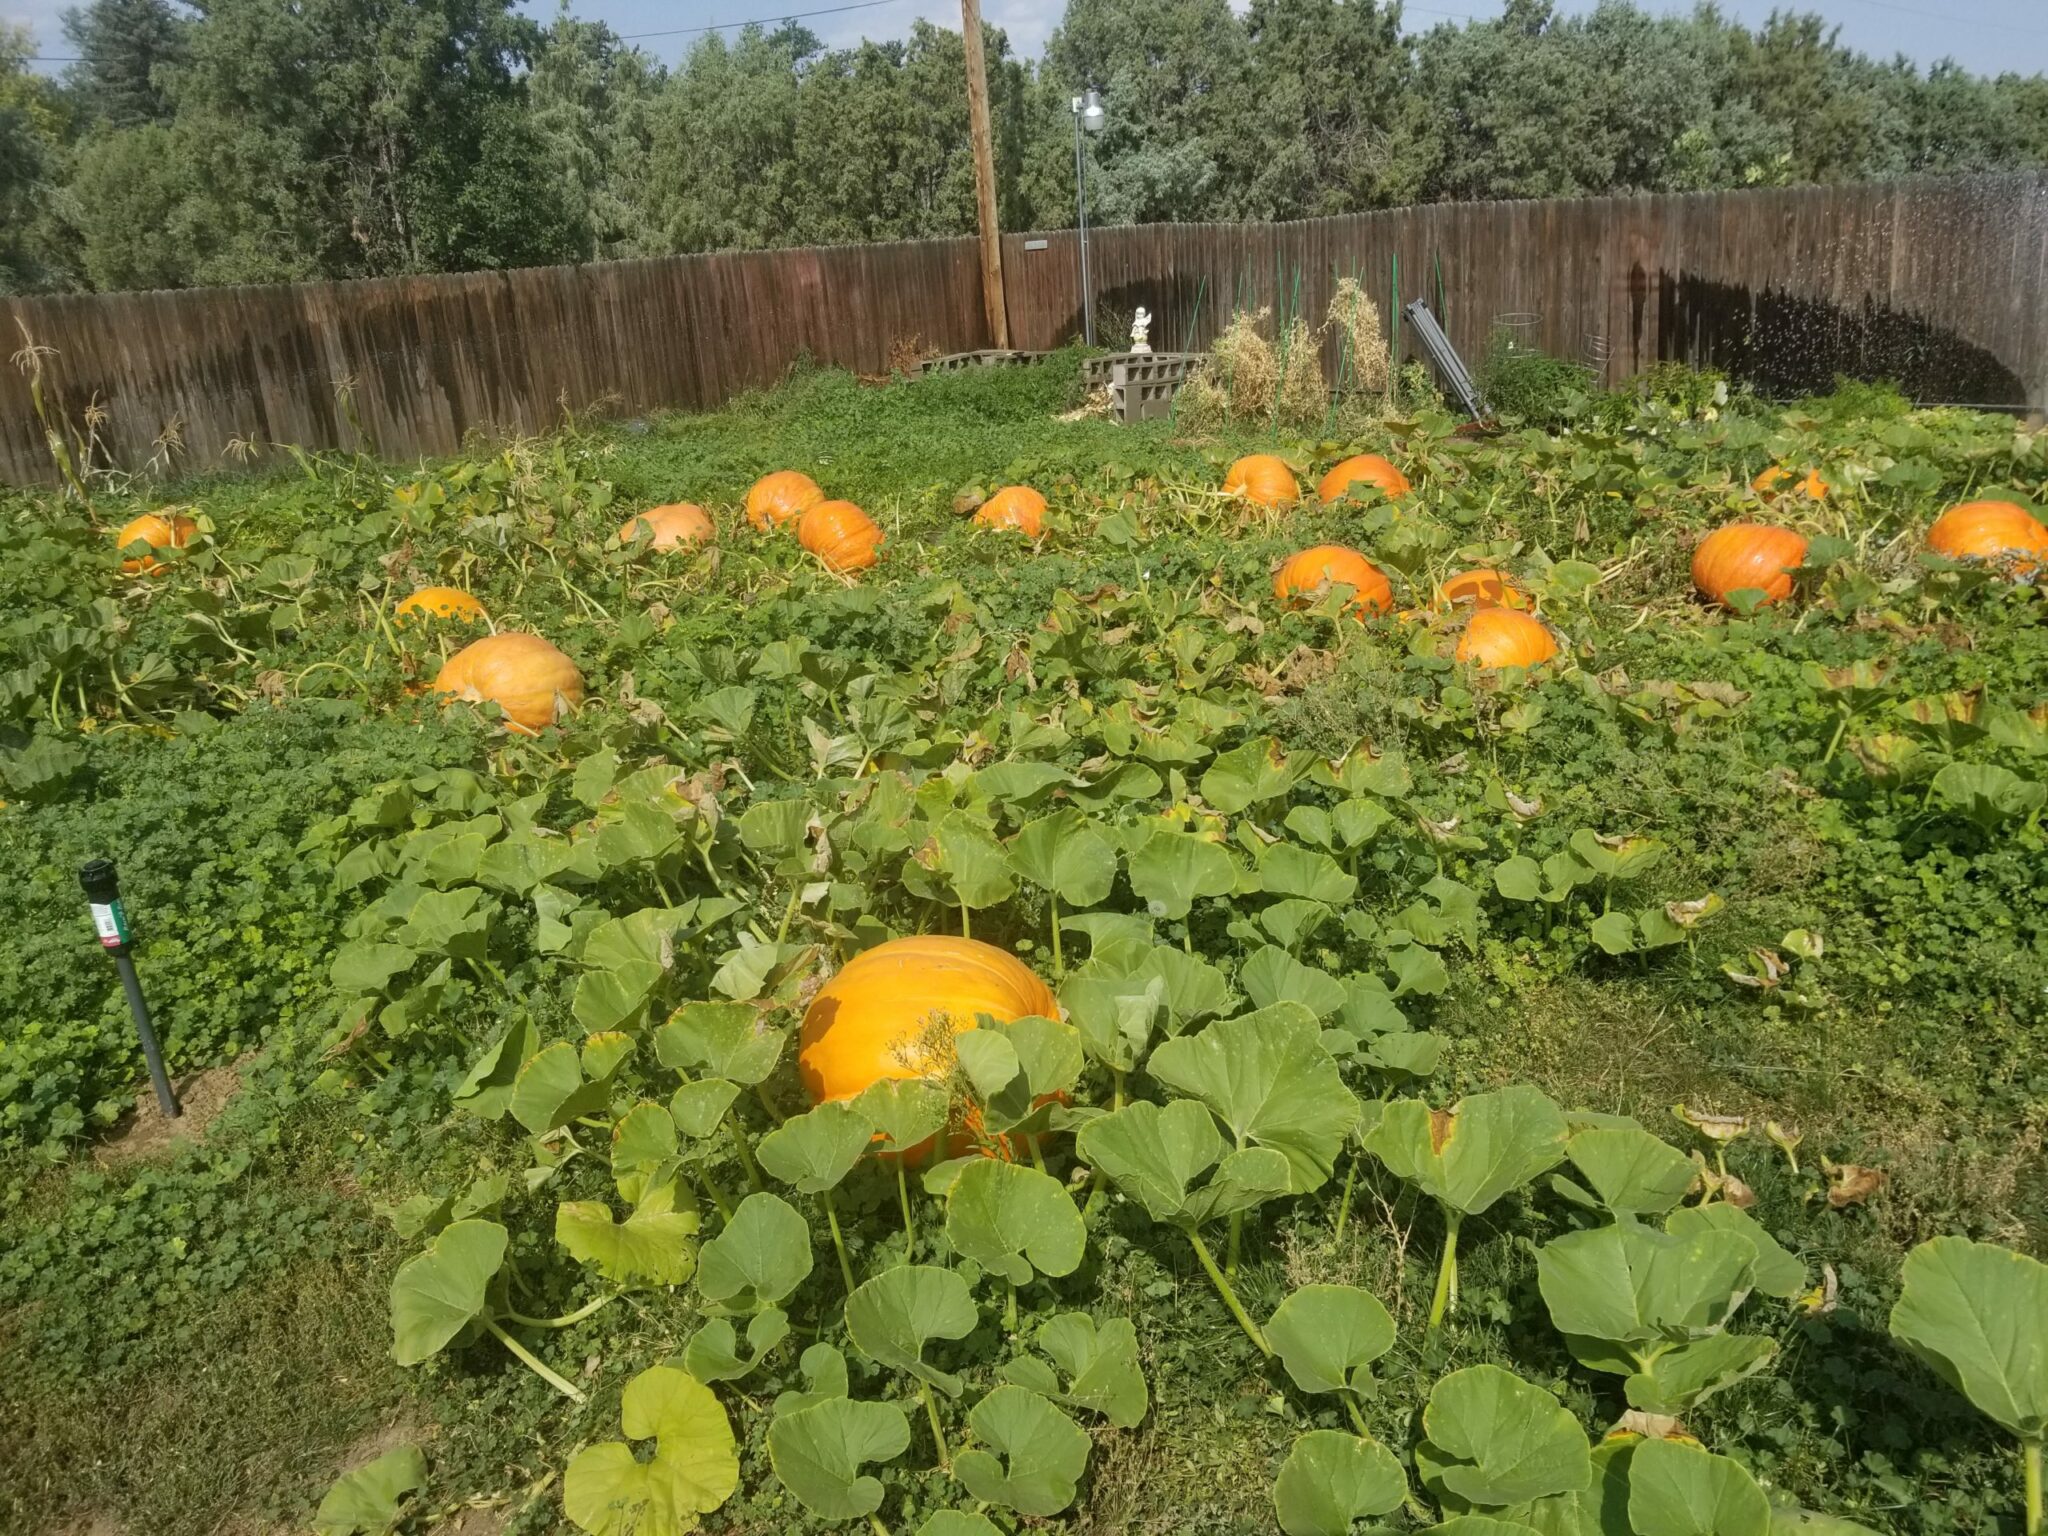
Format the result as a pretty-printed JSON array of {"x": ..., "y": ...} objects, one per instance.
[{"x": 1088, "y": 114}]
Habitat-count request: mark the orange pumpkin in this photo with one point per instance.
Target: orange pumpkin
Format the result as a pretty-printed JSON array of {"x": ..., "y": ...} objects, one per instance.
[
  {"x": 1363, "y": 469},
  {"x": 530, "y": 680},
  {"x": 1747, "y": 555},
  {"x": 2002, "y": 532},
  {"x": 1776, "y": 476},
  {"x": 1302, "y": 575},
  {"x": 440, "y": 603},
  {"x": 678, "y": 523},
  {"x": 840, "y": 534},
  {"x": 1014, "y": 506},
  {"x": 866, "y": 1023},
  {"x": 1263, "y": 480},
  {"x": 158, "y": 531},
  {"x": 1482, "y": 589},
  {"x": 1503, "y": 637},
  {"x": 776, "y": 499}
]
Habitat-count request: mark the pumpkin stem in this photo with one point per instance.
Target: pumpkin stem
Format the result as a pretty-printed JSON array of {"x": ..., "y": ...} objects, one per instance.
[
  {"x": 846, "y": 1274},
  {"x": 1010, "y": 1308},
  {"x": 533, "y": 1363},
  {"x": 924, "y": 1390},
  {"x": 1059, "y": 964},
  {"x": 909, "y": 1224},
  {"x": 2030, "y": 1464},
  {"x": 1344, "y": 1205},
  {"x": 1446, "y": 1297},
  {"x": 1236, "y": 1236},
  {"x": 966, "y": 921},
  {"x": 739, "y": 1140},
  {"x": 717, "y": 1196},
  {"x": 1251, "y": 1329}
]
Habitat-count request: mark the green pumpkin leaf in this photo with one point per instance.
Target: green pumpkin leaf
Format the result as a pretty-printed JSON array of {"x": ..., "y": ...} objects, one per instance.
[
  {"x": 655, "y": 1245},
  {"x": 713, "y": 1352},
  {"x": 1328, "y": 1336},
  {"x": 1495, "y": 1440},
  {"x": 1271, "y": 976},
  {"x": 818, "y": 1452},
  {"x": 1115, "y": 1018},
  {"x": 643, "y": 1146},
  {"x": 958, "y": 1522},
  {"x": 813, "y": 1151},
  {"x": 1978, "y": 1314},
  {"x": 366, "y": 1502},
  {"x": 906, "y": 1111},
  {"x": 486, "y": 1090},
  {"x": 699, "y": 1108},
  {"x": 1154, "y": 1155},
  {"x": 972, "y": 862},
  {"x": 1418, "y": 971},
  {"x": 1614, "y": 932},
  {"x": 1171, "y": 870},
  {"x": 1014, "y": 1221},
  {"x": 1286, "y": 869},
  {"x": 1680, "y": 1490},
  {"x": 1986, "y": 794},
  {"x": 1100, "y": 1364},
  {"x": 1470, "y": 1156},
  {"x": 1807, "y": 1522},
  {"x": 1249, "y": 775},
  {"x": 1038, "y": 1454},
  {"x": 551, "y": 1090},
  {"x": 824, "y": 1371},
  {"x": 1685, "y": 1375},
  {"x": 1778, "y": 1273},
  {"x": 893, "y": 1316},
  {"x": 1331, "y": 1479},
  {"x": 1519, "y": 879},
  {"x": 1616, "y": 858},
  {"x": 1631, "y": 1172},
  {"x": 608, "y": 1491},
  {"x": 1066, "y": 855},
  {"x": 1634, "y": 1286},
  {"x": 1267, "y": 1077},
  {"x": 760, "y": 1257},
  {"x": 1598, "y": 1509},
  {"x": 729, "y": 1040},
  {"x": 1480, "y": 1525},
  {"x": 437, "y": 1294}
]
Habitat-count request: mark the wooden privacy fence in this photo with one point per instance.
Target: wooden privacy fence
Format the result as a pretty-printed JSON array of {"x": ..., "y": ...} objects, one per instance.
[{"x": 1941, "y": 284}]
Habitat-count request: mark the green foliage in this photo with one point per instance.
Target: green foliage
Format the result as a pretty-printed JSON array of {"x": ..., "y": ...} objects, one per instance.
[{"x": 609, "y": 1491}]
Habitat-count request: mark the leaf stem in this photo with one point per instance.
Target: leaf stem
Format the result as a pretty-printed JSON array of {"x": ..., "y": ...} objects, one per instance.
[
  {"x": 717, "y": 1195},
  {"x": 909, "y": 1224},
  {"x": 838, "y": 1242},
  {"x": 966, "y": 922},
  {"x": 1010, "y": 1306},
  {"x": 1251, "y": 1329},
  {"x": 533, "y": 1363},
  {"x": 567, "y": 1319},
  {"x": 1357, "y": 1418},
  {"x": 1236, "y": 1237},
  {"x": 924, "y": 1390},
  {"x": 876, "y": 1522},
  {"x": 1059, "y": 964},
  {"x": 1446, "y": 1297},
  {"x": 739, "y": 1140},
  {"x": 2030, "y": 1465},
  {"x": 1344, "y": 1205}
]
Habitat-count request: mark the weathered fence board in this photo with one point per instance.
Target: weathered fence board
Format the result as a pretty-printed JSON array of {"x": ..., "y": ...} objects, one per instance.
[{"x": 1942, "y": 284}]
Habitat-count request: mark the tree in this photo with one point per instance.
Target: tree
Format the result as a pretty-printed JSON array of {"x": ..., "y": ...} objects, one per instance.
[
  {"x": 126, "y": 48},
  {"x": 32, "y": 125},
  {"x": 594, "y": 102}
]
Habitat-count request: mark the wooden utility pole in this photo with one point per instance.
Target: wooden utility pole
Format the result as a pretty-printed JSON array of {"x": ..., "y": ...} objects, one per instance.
[{"x": 984, "y": 178}]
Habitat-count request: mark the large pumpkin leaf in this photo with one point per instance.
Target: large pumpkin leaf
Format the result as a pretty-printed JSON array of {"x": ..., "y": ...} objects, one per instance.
[
  {"x": 643, "y": 1149},
  {"x": 1778, "y": 1273},
  {"x": 1629, "y": 1171},
  {"x": 958, "y": 1522},
  {"x": 1495, "y": 1440},
  {"x": 1155, "y": 1154},
  {"x": 713, "y": 1351},
  {"x": 1038, "y": 1453},
  {"x": 1469, "y": 1156},
  {"x": 437, "y": 1294},
  {"x": 818, "y": 1452},
  {"x": 759, "y": 1258},
  {"x": 1639, "y": 1288},
  {"x": 1249, "y": 775},
  {"x": 655, "y": 1245},
  {"x": 1331, "y": 1479},
  {"x": 813, "y": 1151},
  {"x": 695, "y": 1467},
  {"x": 552, "y": 1089},
  {"x": 1676, "y": 1489},
  {"x": 486, "y": 1090},
  {"x": 971, "y": 861},
  {"x": 729, "y": 1040},
  {"x": 1271, "y": 977},
  {"x": 1978, "y": 1314},
  {"x": 1269, "y": 1080},
  {"x": 905, "y": 1111},
  {"x": 1100, "y": 1364},
  {"x": 893, "y": 1316},
  {"x": 1328, "y": 1336},
  {"x": 1065, "y": 854},
  {"x": 1683, "y": 1376},
  {"x": 366, "y": 1502},
  {"x": 1170, "y": 870},
  {"x": 1013, "y": 1221}
]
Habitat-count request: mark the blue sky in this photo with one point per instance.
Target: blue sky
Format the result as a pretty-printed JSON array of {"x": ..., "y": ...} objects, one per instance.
[{"x": 1991, "y": 36}]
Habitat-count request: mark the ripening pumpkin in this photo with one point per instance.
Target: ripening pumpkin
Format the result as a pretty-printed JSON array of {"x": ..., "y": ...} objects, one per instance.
[
  {"x": 865, "y": 1024},
  {"x": 1482, "y": 589},
  {"x": 840, "y": 534},
  {"x": 1263, "y": 480},
  {"x": 1363, "y": 469},
  {"x": 678, "y": 523},
  {"x": 1747, "y": 555},
  {"x": 1504, "y": 637},
  {"x": 158, "y": 532},
  {"x": 1014, "y": 506},
  {"x": 1302, "y": 575},
  {"x": 777, "y": 498},
  {"x": 440, "y": 603},
  {"x": 2002, "y": 532},
  {"x": 1775, "y": 476},
  {"x": 530, "y": 680}
]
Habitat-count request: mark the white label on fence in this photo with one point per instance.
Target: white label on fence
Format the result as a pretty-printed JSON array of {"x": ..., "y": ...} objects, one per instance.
[{"x": 1034, "y": 245}]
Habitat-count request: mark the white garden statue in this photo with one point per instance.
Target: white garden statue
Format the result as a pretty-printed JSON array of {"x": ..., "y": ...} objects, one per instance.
[{"x": 1141, "y": 323}]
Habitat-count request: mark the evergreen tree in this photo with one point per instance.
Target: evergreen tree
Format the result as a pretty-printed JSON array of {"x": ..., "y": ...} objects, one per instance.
[{"x": 125, "y": 47}]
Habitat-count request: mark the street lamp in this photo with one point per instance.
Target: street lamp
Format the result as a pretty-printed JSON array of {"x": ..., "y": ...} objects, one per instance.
[{"x": 1088, "y": 114}]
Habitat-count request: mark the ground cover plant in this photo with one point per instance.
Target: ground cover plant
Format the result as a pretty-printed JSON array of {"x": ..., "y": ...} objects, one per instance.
[{"x": 959, "y": 1024}]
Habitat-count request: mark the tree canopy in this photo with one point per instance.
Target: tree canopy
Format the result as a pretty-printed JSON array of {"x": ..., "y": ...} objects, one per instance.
[{"x": 242, "y": 141}]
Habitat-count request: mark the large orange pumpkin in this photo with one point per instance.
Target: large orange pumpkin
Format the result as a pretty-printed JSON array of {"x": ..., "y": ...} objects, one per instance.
[
  {"x": 1301, "y": 576},
  {"x": 1482, "y": 589},
  {"x": 840, "y": 534},
  {"x": 1014, "y": 506},
  {"x": 678, "y": 523},
  {"x": 440, "y": 603},
  {"x": 530, "y": 680},
  {"x": 1747, "y": 555},
  {"x": 1502, "y": 637},
  {"x": 1363, "y": 469},
  {"x": 865, "y": 1023},
  {"x": 1263, "y": 480},
  {"x": 777, "y": 498},
  {"x": 2002, "y": 532},
  {"x": 1768, "y": 484},
  {"x": 158, "y": 531}
]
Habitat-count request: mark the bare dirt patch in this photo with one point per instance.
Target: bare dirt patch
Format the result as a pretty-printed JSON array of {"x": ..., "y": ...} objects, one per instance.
[
  {"x": 148, "y": 1133},
  {"x": 89, "y": 1525}
]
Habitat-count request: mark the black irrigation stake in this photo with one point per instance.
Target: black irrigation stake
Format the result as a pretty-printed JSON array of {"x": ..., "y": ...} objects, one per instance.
[{"x": 103, "y": 895}]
